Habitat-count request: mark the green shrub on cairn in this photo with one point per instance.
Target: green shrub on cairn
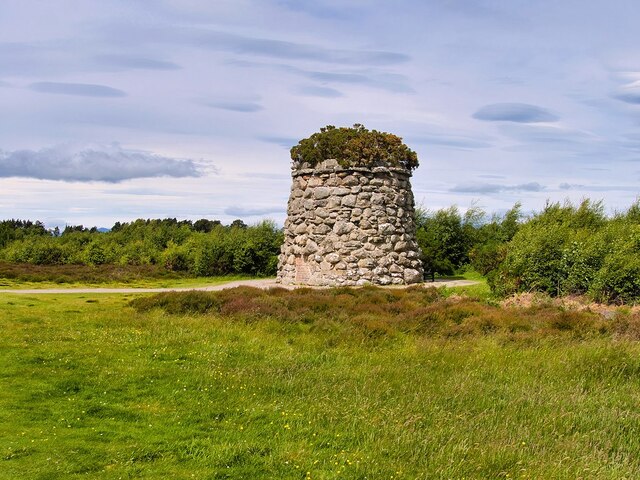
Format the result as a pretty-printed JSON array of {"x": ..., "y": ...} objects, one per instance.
[{"x": 354, "y": 147}]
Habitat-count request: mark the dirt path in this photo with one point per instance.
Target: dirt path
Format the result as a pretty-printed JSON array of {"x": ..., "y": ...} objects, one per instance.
[{"x": 260, "y": 283}]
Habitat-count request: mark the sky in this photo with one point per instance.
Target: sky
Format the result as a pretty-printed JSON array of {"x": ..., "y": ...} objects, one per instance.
[{"x": 114, "y": 110}]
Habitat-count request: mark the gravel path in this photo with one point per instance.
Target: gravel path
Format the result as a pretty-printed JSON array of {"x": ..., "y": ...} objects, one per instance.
[{"x": 261, "y": 283}]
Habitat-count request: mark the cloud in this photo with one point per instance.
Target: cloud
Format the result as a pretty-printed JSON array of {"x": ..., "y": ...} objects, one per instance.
[
  {"x": 19, "y": 58},
  {"x": 507, "y": 80},
  {"x": 492, "y": 176},
  {"x": 315, "y": 91},
  {"x": 599, "y": 188},
  {"x": 80, "y": 89},
  {"x": 318, "y": 10},
  {"x": 109, "y": 163},
  {"x": 514, "y": 112},
  {"x": 552, "y": 138},
  {"x": 630, "y": 96},
  {"x": 241, "y": 44},
  {"x": 146, "y": 192},
  {"x": 460, "y": 142},
  {"x": 570, "y": 186},
  {"x": 286, "y": 142},
  {"x": 487, "y": 188},
  {"x": 633, "y": 136},
  {"x": 391, "y": 82},
  {"x": 237, "y": 211},
  {"x": 62, "y": 56},
  {"x": 267, "y": 176},
  {"x": 132, "y": 62},
  {"x": 242, "y": 107},
  {"x": 629, "y": 93}
]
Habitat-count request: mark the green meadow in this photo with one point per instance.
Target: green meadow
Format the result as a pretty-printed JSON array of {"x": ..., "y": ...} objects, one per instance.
[{"x": 341, "y": 383}]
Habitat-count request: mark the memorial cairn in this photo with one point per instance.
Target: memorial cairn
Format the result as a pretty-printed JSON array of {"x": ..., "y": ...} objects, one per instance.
[{"x": 350, "y": 215}]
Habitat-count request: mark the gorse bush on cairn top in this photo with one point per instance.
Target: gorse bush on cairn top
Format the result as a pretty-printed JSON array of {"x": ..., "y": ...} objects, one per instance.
[{"x": 354, "y": 147}]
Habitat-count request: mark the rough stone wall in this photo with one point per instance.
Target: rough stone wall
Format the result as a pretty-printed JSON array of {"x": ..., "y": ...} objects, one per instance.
[{"x": 350, "y": 226}]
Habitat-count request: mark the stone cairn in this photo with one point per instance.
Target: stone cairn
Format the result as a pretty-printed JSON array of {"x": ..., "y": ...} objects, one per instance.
[{"x": 349, "y": 226}]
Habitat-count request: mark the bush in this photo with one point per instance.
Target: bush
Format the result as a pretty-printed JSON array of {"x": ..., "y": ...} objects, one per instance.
[
  {"x": 179, "y": 302},
  {"x": 175, "y": 258},
  {"x": 574, "y": 250},
  {"x": 354, "y": 147},
  {"x": 618, "y": 280}
]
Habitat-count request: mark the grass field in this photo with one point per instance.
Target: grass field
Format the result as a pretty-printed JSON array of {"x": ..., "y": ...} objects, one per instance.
[{"x": 322, "y": 385}]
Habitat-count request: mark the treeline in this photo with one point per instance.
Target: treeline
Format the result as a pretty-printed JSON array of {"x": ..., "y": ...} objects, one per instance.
[
  {"x": 562, "y": 250},
  {"x": 11, "y": 230},
  {"x": 201, "y": 248}
]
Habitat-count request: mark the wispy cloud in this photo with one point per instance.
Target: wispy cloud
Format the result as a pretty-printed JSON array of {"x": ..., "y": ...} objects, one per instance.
[
  {"x": 286, "y": 142},
  {"x": 316, "y": 91},
  {"x": 488, "y": 188},
  {"x": 459, "y": 142},
  {"x": 391, "y": 82},
  {"x": 629, "y": 93},
  {"x": 64, "y": 56},
  {"x": 599, "y": 188},
  {"x": 267, "y": 47},
  {"x": 143, "y": 192},
  {"x": 134, "y": 62},
  {"x": 237, "y": 211},
  {"x": 367, "y": 77},
  {"x": 491, "y": 176},
  {"x": 110, "y": 163},
  {"x": 242, "y": 107},
  {"x": 551, "y": 138},
  {"x": 79, "y": 89},
  {"x": 239, "y": 44},
  {"x": 267, "y": 176},
  {"x": 17, "y": 58},
  {"x": 514, "y": 112},
  {"x": 323, "y": 11}
]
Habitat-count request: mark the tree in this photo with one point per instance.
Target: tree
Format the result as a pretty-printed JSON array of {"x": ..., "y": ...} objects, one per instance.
[
  {"x": 489, "y": 246},
  {"x": 238, "y": 224},
  {"x": 204, "y": 225},
  {"x": 443, "y": 240}
]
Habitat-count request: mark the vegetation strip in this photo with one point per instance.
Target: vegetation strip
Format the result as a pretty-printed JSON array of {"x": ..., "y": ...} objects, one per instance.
[
  {"x": 415, "y": 309},
  {"x": 564, "y": 249}
]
